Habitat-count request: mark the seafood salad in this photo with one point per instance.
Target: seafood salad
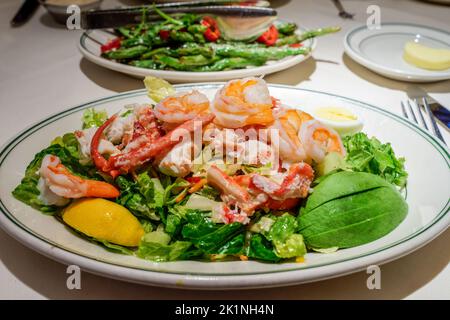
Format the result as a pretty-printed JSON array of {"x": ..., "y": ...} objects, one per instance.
[{"x": 239, "y": 175}]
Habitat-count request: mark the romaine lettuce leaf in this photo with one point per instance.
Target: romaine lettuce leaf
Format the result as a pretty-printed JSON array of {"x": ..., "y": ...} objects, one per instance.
[
  {"x": 92, "y": 118},
  {"x": 144, "y": 198},
  {"x": 260, "y": 248},
  {"x": 156, "y": 246},
  {"x": 208, "y": 236},
  {"x": 70, "y": 142}
]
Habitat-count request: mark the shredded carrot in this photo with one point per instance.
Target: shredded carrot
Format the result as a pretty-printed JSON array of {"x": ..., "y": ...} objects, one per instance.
[
  {"x": 180, "y": 197},
  {"x": 300, "y": 259},
  {"x": 197, "y": 186},
  {"x": 243, "y": 258}
]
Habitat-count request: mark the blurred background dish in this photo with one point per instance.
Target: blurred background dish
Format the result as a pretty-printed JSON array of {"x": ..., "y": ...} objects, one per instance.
[
  {"x": 382, "y": 50},
  {"x": 58, "y": 8}
]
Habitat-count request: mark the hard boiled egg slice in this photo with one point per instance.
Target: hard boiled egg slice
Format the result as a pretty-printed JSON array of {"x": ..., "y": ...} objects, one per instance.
[{"x": 341, "y": 119}]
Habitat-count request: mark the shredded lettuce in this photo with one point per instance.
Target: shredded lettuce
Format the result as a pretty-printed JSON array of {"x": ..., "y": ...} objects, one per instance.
[{"x": 92, "y": 118}]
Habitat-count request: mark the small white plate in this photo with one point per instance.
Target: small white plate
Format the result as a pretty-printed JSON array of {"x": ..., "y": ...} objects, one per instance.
[
  {"x": 428, "y": 191},
  {"x": 381, "y": 50},
  {"x": 89, "y": 47}
]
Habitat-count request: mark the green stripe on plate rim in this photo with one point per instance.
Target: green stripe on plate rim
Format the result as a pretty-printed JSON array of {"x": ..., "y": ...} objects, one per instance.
[{"x": 10, "y": 145}]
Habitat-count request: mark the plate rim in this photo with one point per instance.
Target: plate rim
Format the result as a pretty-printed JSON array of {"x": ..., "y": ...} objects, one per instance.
[
  {"x": 204, "y": 281},
  {"x": 386, "y": 71},
  {"x": 174, "y": 74}
]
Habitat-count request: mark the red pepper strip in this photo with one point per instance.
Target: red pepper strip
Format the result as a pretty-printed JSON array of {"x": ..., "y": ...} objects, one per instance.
[
  {"x": 296, "y": 45},
  {"x": 100, "y": 162},
  {"x": 212, "y": 34},
  {"x": 164, "y": 34},
  {"x": 110, "y": 45},
  {"x": 270, "y": 37},
  {"x": 193, "y": 180}
]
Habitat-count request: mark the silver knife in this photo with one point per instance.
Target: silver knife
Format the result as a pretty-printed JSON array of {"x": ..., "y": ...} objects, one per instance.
[
  {"x": 25, "y": 12},
  {"x": 113, "y": 18}
]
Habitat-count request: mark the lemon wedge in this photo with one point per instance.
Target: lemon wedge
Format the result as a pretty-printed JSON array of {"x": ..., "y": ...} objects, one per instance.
[
  {"x": 425, "y": 57},
  {"x": 104, "y": 220},
  {"x": 157, "y": 88}
]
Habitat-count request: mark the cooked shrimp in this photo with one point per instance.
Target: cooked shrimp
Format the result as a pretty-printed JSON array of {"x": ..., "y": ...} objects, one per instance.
[
  {"x": 243, "y": 102},
  {"x": 319, "y": 140},
  {"x": 287, "y": 124},
  {"x": 64, "y": 184},
  {"x": 181, "y": 107}
]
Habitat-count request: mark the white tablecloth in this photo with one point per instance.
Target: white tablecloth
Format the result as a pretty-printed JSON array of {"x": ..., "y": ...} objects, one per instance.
[{"x": 42, "y": 73}]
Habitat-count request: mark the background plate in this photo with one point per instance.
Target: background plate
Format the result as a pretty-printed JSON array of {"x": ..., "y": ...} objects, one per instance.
[
  {"x": 382, "y": 50},
  {"x": 90, "y": 49}
]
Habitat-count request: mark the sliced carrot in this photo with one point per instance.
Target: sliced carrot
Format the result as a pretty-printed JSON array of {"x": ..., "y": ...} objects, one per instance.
[
  {"x": 197, "y": 186},
  {"x": 180, "y": 197},
  {"x": 243, "y": 258}
]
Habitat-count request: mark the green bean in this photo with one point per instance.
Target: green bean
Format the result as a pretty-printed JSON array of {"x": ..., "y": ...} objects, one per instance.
[
  {"x": 190, "y": 49},
  {"x": 266, "y": 53},
  {"x": 318, "y": 32},
  {"x": 148, "y": 64},
  {"x": 126, "y": 53},
  {"x": 163, "y": 50},
  {"x": 231, "y": 63},
  {"x": 306, "y": 35},
  {"x": 287, "y": 28},
  {"x": 180, "y": 36}
]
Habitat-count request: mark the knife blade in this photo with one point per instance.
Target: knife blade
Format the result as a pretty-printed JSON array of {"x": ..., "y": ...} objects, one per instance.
[
  {"x": 25, "y": 12},
  {"x": 113, "y": 18}
]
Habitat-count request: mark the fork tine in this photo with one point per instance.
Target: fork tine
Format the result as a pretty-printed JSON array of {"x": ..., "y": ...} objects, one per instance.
[
  {"x": 419, "y": 109},
  {"x": 405, "y": 114},
  {"x": 412, "y": 112},
  {"x": 434, "y": 125}
]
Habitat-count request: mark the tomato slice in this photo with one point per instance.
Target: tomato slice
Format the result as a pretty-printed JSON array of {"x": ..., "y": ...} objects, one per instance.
[
  {"x": 270, "y": 37},
  {"x": 212, "y": 34},
  {"x": 111, "y": 44}
]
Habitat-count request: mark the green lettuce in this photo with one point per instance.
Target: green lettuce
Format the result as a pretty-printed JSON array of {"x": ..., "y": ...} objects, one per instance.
[
  {"x": 281, "y": 232},
  {"x": 209, "y": 236},
  {"x": 369, "y": 155},
  {"x": 262, "y": 249},
  {"x": 144, "y": 198},
  {"x": 156, "y": 246},
  {"x": 287, "y": 243},
  {"x": 70, "y": 142},
  {"x": 92, "y": 118}
]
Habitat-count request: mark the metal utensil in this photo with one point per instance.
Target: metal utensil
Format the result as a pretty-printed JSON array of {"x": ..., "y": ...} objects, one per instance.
[
  {"x": 415, "y": 108},
  {"x": 342, "y": 12},
  {"x": 25, "y": 12},
  {"x": 102, "y": 19}
]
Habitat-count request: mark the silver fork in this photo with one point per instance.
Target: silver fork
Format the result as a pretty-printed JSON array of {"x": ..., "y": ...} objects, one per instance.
[{"x": 415, "y": 108}]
